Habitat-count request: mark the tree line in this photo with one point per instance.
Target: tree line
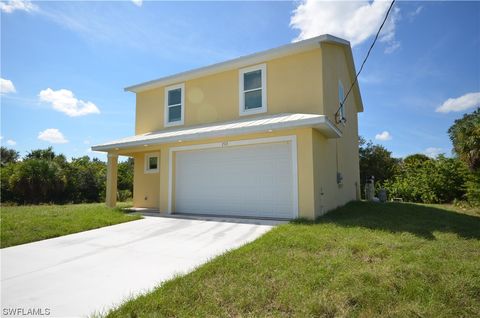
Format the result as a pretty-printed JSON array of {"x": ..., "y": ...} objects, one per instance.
[
  {"x": 419, "y": 178},
  {"x": 42, "y": 176}
]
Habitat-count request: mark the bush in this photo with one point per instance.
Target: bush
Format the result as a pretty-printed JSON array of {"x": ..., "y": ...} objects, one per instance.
[
  {"x": 6, "y": 171},
  {"x": 429, "y": 180},
  {"x": 45, "y": 177},
  {"x": 38, "y": 180},
  {"x": 473, "y": 189},
  {"x": 124, "y": 195},
  {"x": 86, "y": 180}
]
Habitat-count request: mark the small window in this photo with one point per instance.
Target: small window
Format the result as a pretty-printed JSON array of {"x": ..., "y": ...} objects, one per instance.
[
  {"x": 174, "y": 105},
  {"x": 151, "y": 163},
  {"x": 341, "y": 96},
  {"x": 253, "y": 90}
]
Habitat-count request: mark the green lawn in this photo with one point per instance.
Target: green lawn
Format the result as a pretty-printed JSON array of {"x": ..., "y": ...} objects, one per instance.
[
  {"x": 362, "y": 260},
  {"x": 24, "y": 224}
]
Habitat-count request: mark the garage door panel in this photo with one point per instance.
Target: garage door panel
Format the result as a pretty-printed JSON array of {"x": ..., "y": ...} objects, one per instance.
[{"x": 254, "y": 180}]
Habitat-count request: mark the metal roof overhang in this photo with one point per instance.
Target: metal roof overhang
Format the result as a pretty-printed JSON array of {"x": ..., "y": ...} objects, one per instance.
[{"x": 230, "y": 128}]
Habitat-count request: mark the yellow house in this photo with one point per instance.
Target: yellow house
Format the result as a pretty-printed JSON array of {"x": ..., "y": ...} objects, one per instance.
[{"x": 262, "y": 135}]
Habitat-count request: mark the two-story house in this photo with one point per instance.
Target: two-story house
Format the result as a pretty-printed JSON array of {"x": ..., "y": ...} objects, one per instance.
[{"x": 264, "y": 135}]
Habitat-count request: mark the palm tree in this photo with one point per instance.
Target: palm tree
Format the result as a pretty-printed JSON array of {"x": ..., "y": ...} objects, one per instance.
[{"x": 465, "y": 136}]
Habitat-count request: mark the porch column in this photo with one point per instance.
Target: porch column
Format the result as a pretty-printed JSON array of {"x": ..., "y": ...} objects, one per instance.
[{"x": 111, "y": 193}]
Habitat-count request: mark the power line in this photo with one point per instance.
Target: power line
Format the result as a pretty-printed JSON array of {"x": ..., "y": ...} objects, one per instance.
[{"x": 365, "y": 60}]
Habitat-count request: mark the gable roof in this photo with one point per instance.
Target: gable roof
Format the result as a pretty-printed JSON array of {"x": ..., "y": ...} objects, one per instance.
[{"x": 256, "y": 58}]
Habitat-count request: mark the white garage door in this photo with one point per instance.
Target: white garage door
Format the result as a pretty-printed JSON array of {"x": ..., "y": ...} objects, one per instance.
[{"x": 254, "y": 180}]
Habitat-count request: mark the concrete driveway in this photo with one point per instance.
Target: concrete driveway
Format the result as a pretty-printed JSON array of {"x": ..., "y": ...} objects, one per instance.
[{"x": 79, "y": 274}]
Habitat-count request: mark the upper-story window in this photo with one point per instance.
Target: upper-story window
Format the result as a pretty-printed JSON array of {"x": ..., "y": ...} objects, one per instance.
[
  {"x": 253, "y": 89},
  {"x": 174, "y": 105},
  {"x": 341, "y": 106}
]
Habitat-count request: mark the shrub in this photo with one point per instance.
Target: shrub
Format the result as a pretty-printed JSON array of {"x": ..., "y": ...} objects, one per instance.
[
  {"x": 124, "y": 195},
  {"x": 473, "y": 189},
  {"x": 6, "y": 171},
  {"x": 38, "y": 180},
  {"x": 428, "y": 180},
  {"x": 46, "y": 177}
]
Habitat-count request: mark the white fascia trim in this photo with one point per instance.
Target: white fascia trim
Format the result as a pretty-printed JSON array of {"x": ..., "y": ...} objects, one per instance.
[
  {"x": 165, "y": 105},
  {"x": 241, "y": 97},
  {"x": 240, "y": 62},
  {"x": 321, "y": 123},
  {"x": 293, "y": 142},
  {"x": 146, "y": 162}
]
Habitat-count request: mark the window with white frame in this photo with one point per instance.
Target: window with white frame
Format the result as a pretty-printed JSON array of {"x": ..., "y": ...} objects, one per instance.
[
  {"x": 151, "y": 163},
  {"x": 253, "y": 89},
  {"x": 174, "y": 105},
  {"x": 341, "y": 106}
]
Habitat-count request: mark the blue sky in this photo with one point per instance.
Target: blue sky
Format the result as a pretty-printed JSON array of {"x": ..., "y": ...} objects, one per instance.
[{"x": 64, "y": 64}]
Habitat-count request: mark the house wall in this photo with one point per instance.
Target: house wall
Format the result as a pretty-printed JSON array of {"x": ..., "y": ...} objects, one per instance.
[
  {"x": 303, "y": 83},
  {"x": 146, "y": 184},
  {"x": 341, "y": 154},
  {"x": 294, "y": 84}
]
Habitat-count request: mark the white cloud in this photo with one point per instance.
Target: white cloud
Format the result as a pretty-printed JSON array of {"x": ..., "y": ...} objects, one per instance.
[
  {"x": 392, "y": 47},
  {"x": 413, "y": 14},
  {"x": 383, "y": 136},
  {"x": 11, "y": 142},
  {"x": 13, "y": 5},
  {"x": 52, "y": 135},
  {"x": 6, "y": 86},
  {"x": 138, "y": 3},
  {"x": 461, "y": 103},
  {"x": 355, "y": 21},
  {"x": 433, "y": 152},
  {"x": 65, "y": 101}
]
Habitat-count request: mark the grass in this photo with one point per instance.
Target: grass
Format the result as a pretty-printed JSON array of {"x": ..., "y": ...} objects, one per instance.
[
  {"x": 362, "y": 260},
  {"x": 24, "y": 224}
]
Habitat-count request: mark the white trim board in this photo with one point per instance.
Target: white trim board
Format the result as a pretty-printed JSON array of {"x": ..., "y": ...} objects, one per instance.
[{"x": 291, "y": 139}]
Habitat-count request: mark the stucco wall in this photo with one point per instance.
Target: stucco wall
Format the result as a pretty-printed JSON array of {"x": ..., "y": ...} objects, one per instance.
[
  {"x": 336, "y": 155},
  {"x": 146, "y": 186},
  {"x": 294, "y": 84}
]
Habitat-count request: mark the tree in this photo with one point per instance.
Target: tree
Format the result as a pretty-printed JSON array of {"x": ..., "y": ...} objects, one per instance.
[
  {"x": 86, "y": 180},
  {"x": 377, "y": 161},
  {"x": 47, "y": 154},
  {"x": 8, "y": 156},
  {"x": 46, "y": 177},
  {"x": 417, "y": 158},
  {"x": 6, "y": 194},
  {"x": 465, "y": 137},
  {"x": 125, "y": 175},
  {"x": 38, "y": 180}
]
